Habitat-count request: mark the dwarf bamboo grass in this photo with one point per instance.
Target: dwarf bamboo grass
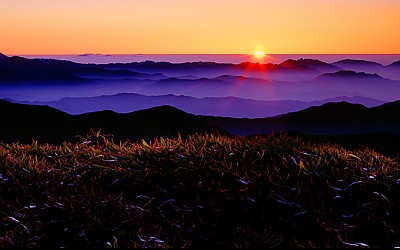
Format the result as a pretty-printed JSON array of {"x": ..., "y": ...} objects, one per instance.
[{"x": 202, "y": 191}]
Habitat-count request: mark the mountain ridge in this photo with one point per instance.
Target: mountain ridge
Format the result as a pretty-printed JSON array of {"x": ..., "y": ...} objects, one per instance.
[
  {"x": 228, "y": 106},
  {"x": 351, "y": 73},
  {"x": 357, "y": 62},
  {"x": 327, "y": 119}
]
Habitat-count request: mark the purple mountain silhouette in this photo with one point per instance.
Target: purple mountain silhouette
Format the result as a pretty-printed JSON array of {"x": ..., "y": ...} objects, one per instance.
[
  {"x": 350, "y": 74},
  {"x": 214, "y": 106}
]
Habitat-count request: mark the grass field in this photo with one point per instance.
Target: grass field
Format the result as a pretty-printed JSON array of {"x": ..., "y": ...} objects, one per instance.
[{"x": 202, "y": 191}]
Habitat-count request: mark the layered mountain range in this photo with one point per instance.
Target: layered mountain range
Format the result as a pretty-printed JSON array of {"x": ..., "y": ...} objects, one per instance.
[
  {"x": 244, "y": 90},
  {"x": 213, "y": 106}
]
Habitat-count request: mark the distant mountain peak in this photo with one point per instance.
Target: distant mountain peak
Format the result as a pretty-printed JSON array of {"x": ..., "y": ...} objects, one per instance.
[
  {"x": 350, "y": 73},
  {"x": 303, "y": 61},
  {"x": 223, "y": 77},
  {"x": 308, "y": 64},
  {"x": 291, "y": 63},
  {"x": 357, "y": 62}
]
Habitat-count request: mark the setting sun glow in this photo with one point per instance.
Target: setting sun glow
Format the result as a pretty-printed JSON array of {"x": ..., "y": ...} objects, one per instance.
[{"x": 259, "y": 54}]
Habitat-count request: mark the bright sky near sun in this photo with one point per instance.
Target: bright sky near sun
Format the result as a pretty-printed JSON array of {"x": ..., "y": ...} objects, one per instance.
[{"x": 199, "y": 26}]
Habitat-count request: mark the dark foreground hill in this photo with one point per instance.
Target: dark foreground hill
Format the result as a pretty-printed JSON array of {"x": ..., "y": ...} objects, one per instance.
[
  {"x": 327, "y": 119},
  {"x": 25, "y": 122}
]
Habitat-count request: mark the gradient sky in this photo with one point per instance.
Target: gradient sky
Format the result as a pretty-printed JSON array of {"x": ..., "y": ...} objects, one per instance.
[{"x": 201, "y": 26}]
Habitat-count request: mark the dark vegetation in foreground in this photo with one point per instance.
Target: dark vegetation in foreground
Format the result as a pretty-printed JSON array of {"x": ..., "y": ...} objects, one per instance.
[
  {"x": 205, "y": 191},
  {"x": 383, "y": 143}
]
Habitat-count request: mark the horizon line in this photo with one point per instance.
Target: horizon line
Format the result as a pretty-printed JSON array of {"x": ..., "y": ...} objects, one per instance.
[{"x": 94, "y": 54}]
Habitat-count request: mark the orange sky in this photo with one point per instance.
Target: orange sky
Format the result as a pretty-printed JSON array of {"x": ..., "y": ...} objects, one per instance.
[{"x": 201, "y": 26}]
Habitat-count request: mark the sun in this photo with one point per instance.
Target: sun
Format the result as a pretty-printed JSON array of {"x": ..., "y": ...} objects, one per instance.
[{"x": 259, "y": 54}]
